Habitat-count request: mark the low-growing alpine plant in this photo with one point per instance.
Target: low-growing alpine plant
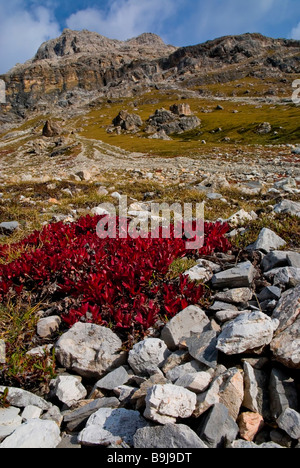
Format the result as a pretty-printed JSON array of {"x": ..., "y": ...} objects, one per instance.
[{"x": 119, "y": 283}]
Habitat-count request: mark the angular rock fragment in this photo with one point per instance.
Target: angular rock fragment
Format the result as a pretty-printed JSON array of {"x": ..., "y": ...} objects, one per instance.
[
  {"x": 267, "y": 240},
  {"x": 77, "y": 418},
  {"x": 191, "y": 319},
  {"x": 248, "y": 331},
  {"x": 228, "y": 389},
  {"x": 249, "y": 425},
  {"x": 108, "y": 426},
  {"x": 68, "y": 389},
  {"x": 283, "y": 393},
  {"x": 256, "y": 394},
  {"x": 286, "y": 342},
  {"x": 238, "y": 277},
  {"x": 170, "y": 436},
  {"x": 147, "y": 355},
  {"x": 235, "y": 296},
  {"x": 47, "y": 326},
  {"x": 166, "y": 403},
  {"x": 22, "y": 398},
  {"x": 288, "y": 206},
  {"x": 9, "y": 421},
  {"x": 34, "y": 434},
  {"x": 284, "y": 276},
  {"x": 202, "y": 347},
  {"x": 289, "y": 421},
  {"x": 114, "y": 379},
  {"x": 218, "y": 427}
]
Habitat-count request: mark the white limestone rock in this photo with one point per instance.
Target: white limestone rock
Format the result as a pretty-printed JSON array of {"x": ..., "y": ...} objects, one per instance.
[
  {"x": 90, "y": 350},
  {"x": 165, "y": 403},
  {"x": 246, "y": 332},
  {"x": 34, "y": 434},
  {"x": 148, "y": 354}
]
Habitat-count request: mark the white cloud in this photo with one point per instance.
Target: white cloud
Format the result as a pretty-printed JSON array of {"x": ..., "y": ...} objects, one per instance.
[
  {"x": 296, "y": 32},
  {"x": 22, "y": 31},
  {"x": 125, "y": 18}
]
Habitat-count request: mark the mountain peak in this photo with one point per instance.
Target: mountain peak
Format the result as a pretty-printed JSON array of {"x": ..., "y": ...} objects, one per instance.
[{"x": 86, "y": 42}]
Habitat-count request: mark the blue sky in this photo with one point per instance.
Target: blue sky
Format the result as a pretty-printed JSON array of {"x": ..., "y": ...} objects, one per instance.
[{"x": 25, "y": 24}]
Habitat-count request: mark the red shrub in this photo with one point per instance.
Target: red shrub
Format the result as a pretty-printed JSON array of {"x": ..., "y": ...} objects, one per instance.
[{"x": 117, "y": 282}]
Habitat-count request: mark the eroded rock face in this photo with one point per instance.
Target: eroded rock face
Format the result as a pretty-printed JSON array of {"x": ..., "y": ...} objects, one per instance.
[{"x": 169, "y": 122}]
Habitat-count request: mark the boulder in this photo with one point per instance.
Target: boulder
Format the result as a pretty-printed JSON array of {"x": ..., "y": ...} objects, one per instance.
[
  {"x": 147, "y": 355},
  {"x": 191, "y": 319},
  {"x": 248, "y": 331},
  {"x": 264, "y": 128},
  {"x": 128, "y": 122},
  {"x": 181, "y": 109},
  {"x": 90, "y": 350},
  {"x": 170, "y": 436},
  {"x": 166, "y": 403}
]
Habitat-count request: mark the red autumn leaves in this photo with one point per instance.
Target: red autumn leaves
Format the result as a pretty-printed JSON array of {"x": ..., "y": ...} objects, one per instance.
[{"x": 120, "y": 283}]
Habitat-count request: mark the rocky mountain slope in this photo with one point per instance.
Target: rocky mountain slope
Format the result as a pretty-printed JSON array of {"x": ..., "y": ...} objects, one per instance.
[{"x": 80, "y": 65}]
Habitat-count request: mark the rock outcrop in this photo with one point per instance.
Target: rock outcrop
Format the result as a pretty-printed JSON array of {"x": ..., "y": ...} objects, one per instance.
[{"x": 86, "y": 65}]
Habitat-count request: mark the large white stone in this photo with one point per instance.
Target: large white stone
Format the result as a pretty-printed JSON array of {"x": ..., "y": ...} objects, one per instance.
[
  {"x": 68, "y": 389},
  {"x": 147, "y": 355},
  {"x": 90, "y": 350},
  {"x": 165, "y": 403},
  {"x": 34, "y": 434},
  {"x": 9, "y": 421},
  {"x": 248, "y": 331}
]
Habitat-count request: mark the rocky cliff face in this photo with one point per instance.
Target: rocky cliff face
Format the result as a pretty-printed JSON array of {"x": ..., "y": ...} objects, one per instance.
[{"x": 81, "y": 66}]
